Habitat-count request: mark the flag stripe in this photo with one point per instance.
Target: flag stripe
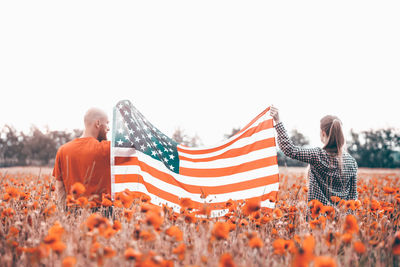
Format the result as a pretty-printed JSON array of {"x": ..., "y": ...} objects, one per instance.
[
  {"x": 232, "y": 157},
  {"x": 257, "y": 118},
  {"x": 244, "y": 167},
  {"x": 263, "y": 125},
  {"x": 209, "y": 190}
]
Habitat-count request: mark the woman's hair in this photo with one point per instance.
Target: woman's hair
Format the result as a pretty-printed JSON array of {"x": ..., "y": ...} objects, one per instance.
[{"x": 332, "y": 126}]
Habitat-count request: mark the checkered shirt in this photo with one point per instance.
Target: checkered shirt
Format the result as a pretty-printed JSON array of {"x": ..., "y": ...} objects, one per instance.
[{"x": 325, "y": 178}]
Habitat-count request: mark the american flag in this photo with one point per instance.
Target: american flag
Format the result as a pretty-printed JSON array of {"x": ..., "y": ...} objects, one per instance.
[{"x": 145, "y": 160}]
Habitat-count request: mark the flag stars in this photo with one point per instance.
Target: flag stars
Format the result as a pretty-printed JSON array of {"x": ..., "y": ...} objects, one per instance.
[{"x": 120, "y": 142}]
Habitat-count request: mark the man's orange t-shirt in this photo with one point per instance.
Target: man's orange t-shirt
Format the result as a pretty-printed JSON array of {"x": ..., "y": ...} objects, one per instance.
[{"x": 87, "y": 161}]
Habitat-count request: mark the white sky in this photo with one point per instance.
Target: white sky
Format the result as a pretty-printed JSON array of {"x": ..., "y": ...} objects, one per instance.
[{"x": 206, "y": 66}]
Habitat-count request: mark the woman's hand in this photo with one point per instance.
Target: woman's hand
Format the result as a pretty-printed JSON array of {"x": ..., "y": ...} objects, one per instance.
[{"x": 274, "y": 114}]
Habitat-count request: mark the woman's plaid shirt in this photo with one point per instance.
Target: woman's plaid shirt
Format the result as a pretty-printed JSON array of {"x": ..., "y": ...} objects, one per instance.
[{"x": 325, "y": 178}]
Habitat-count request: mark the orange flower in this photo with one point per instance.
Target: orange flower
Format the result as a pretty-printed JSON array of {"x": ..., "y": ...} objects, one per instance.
[
  {"x": 58, "y": 247},
  {"x": 131, "y": 254},
  {"x": 6, "y": 197},
  {"x": 277, "y": 213},
  {"x": 350, "y": 204},
  {"x": 108, "y": 232},
  {"x": 231, "y": 205},
  {"x": 180, "y": 251},
  {"x": 69, "y": 262},
  {"x": 9, "y": 212},
  {"x": 316, "y": 206},
  {"x": 50, "y": 210},
  {"x": 78, "y": 189},
  {"x": 255, "y": 242},
  {"x": 396, "y": 244},
  {"x": 375, "y": 205},
  {"x": 252, "y": 205},
  {"x": 82, "y": 201},
  {"x": 186, "y": 203},
  {"x": 346, "y": 238},
  {"x": 154, "y": 218},
  {"x": 329, "y": 211},
  {"x": 175, "y": 232},
  {"x": 96, "y": 220},
  {"x": 128, "y": 214},
  {"x": 324, "y": 261},
  {"x": 314, "y": 223},
  {"x": 221, "y": 230},
  {"x": 13, "y": 231},
  {"x": 335, "y": 199},
  {"x": 147, "y": 236},
  {"x": 117, "y": 225},
  {"x": 190, "y": 217},
  {"x": 13, "y": 192},
  {"x": 204, "y": 210},
  {"x": 109, "y": 252},
  {"x": 305, "y": 253},
  {"x": 106, "y": 202},
  {"x": 359, "y": 247},
  {"x": 226, "y": 261},
  {"x": 281, "y": 246},
  {"x": 56, "y": 229},
  {"x": 389, "y": 190},
  {"x": 243, "y": 222},
  {"x": 350, "y": 224},
  {"x": 126, "y": 198}
]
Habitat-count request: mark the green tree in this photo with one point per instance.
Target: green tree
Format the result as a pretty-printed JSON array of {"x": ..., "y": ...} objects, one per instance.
[{"x": 376, "y": 148}]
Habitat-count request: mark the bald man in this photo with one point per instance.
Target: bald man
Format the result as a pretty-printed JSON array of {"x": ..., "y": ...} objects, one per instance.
[{"x": 85, "y": 160}]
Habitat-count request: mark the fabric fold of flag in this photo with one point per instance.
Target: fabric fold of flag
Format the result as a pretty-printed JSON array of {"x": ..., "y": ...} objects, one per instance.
[{"x": 145, "y": 160}]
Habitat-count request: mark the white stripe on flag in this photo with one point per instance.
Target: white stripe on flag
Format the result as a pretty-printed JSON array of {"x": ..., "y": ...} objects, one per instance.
[{"x": 228, "y": 162}]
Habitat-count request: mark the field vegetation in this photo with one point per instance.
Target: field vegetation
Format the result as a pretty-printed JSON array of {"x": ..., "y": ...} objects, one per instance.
[{"x": 35, "y": 231}]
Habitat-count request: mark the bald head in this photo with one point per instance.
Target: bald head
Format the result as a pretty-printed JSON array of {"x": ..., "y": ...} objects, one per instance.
[
  {"x": 96, "y": 124},
  {"x": 93, "y": 115}
]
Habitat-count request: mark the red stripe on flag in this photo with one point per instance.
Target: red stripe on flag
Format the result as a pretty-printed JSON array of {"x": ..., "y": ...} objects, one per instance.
[
  {"x": 236, "y": 151},
  {"x": 248, "y": 166}
]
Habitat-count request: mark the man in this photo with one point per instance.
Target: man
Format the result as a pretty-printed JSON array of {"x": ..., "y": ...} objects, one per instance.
[{"x": 85, "y": 160}]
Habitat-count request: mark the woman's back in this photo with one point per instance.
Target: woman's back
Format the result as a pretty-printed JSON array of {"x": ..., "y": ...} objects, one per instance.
[{"x": 330, "y": 175}]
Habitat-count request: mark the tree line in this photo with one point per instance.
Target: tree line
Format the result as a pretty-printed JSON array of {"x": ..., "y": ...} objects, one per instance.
[{"x": 379, "y": 148}]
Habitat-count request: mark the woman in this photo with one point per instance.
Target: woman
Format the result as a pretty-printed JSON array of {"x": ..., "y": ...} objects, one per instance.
[{"x": 333, "y": 172}]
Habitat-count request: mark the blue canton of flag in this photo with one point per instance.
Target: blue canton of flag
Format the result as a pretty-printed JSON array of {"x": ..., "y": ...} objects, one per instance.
[{"x": 132, "y": 130}]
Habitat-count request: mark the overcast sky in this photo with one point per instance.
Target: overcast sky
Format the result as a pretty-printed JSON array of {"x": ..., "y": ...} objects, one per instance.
[{"x": 204, "y": 66}]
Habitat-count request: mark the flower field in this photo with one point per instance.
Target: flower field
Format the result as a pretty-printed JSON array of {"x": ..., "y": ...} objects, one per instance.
[{"x": 35, "y": 231}]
